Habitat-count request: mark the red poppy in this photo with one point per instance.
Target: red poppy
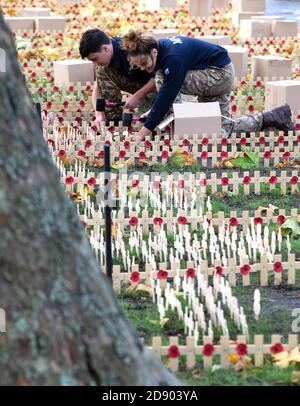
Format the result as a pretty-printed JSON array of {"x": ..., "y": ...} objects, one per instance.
[
  {"x": 224, "y": 154},
  {"x": 51, "y": 142},
  {"x": 162, "y": 275},
  {"x": 204, "y": 155},
  {"x": 251, "y": 108},
  {"x": 281, "y": 139},
  {"x": 91, "y": 181},
  {"x": 83, "y": 223},
  {"x": 40, "y": 89},
  {"x": 258, "y": 220},
  {"x": 246, "y": 180},
  {"x": 164, "y": 154},
  {"x": 203, "y": 182},
  {"x": 135, "y": 183},
  {"x": 190, "y": 273},
  {"x": 286, "y": 155},
  {"x": 122, "y": 154},
  {"x": 147, "y": 144},
  {"x": 94, "y": 128},
  {"x": 276, "y": 348},
  {"x": 258, "y": 83},
  {"x": 61, "y": 153},
  {"x": 181, "y": 184},
  {"x": 78, "y": 119},
  {"x": 225, "y": 181},
  {"x": 142, "y": 155},
  {"x": 107, "y": 142},
  {"x": 242, "y": 349},
  {"x": 182, "y": 220},
  {"x": 55, "y": 89},
  {"x": 88, "y": 143},
  {"x": 208, "y": 350},
  {"x": 70, "y": 180},
  {"x": 219, "y": 270},
  {"x": 186, "y": 142},
  {"x": 267, "y": 155},
  {"x": 272, "y": 180},
  {"x": 280, "y": 219},
  {"x": 101, "y": 154},
  {"x": 245, "y": 269},
  {"x": 158, "y": 221},
  {"x": 262, "y": 140},
  {"x": 111, "y": 129},
  {"x": 204, "y": 141},
  {"x": 298, "y": 138},
  {"x": 224, "y": 141},
  {"x": 49, "y": 105},
  {"x": 166, "y": 142},
  {"x": 234, "y": 108},
  {"x": 126, "y": 144},
  {"x": 173, "y": 351},
  {"x": 278, "y": 267},
  {"x": 133, "y": 221},
  {"x": 81, "y": 153},
  {"x": 184, "y": 153},
  {"x": 243, "y": 141},
  {"x": 294, "y": 180},
  {"x": 82, "y": 103},
  {"x": 233, "y": 222},
  {"x": 135, "y": 276}
]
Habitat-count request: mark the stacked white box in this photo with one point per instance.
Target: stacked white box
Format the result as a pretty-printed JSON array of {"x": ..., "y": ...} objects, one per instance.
[
  {"x": 283, "y": 91},
  {"x": 73, "y": 71},
  {"x": 237, "y": 17},
  {"x": 200, "y": 8},
  {"x": 285, "y": 28},
  {"x": 50, "y": 23},
  {"x": 239, "y": 58},
  {"x": 255, "y": 28},
  {"x": 249, "y": 5},
  {"x": 35, "y": 12},
  {"x": 268, "y": 66},
  {"x": 216, "y": 39},
  {"x": 20, "y": 23},
  {"x": 197, "y": 118}
]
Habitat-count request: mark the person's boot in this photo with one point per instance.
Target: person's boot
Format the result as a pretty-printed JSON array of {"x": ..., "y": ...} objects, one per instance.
[{"x": 279, "y": 118}]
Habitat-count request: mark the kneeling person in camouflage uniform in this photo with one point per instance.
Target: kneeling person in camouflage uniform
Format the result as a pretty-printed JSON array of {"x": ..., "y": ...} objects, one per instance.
[
  {"x": 114, "y": 74},
  {"x": 194, "y": 67}
]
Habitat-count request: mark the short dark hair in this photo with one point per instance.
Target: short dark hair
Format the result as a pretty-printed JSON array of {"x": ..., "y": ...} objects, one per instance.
[{"x": 91, "y": 41}]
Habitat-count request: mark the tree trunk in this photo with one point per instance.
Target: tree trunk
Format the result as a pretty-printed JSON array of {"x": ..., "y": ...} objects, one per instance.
[{"x": 64, "y": 325}]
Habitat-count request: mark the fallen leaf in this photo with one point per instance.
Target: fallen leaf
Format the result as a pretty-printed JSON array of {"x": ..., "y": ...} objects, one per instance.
[
  {"x": 286, "y": 358},
  {"x": 98, "y": 163},
  {"x": 290, "y": 227},
  {"x": 144, "y": 288}
]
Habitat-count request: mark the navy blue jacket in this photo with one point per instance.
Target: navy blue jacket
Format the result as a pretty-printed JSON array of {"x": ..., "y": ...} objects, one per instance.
[
  {"x": 120, "y": 63},
  {"x": 176, "y": 56}
]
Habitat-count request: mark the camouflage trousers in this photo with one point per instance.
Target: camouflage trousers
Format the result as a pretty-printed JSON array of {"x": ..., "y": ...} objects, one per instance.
[
  {"x": 110, "y": 85},
  {"x": 215, "y": 85}
]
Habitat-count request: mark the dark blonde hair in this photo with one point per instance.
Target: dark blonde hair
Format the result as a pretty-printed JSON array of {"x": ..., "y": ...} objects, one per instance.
[{"x": 137, "y": 43}]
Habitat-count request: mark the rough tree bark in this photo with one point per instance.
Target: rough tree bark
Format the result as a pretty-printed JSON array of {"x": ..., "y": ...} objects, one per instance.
[{"x": 64, "y": 325}]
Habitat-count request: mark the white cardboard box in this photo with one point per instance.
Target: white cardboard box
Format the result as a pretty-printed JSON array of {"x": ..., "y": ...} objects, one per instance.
[
  {"x": 197, "y": 118},
  {"x": 237, "y": 17},
  {"x": 220, "y": 4},
  {"x": 285, "y": 28},
  {"x": 164, "y": 33},
  {"x": 73, "y": 70},
  {"x": 239, "y": 58},
  {"x": 20, "y": 23},
  {"x": 255, "y": 28},
  {"x": 200, "y": 8},
  {"x": 50, "y": 23},
  {"x": 249, "y": 5},
  {"x": 215, "y": 39},
  {"x": 283, "y": 91},
  {"x": 35, "y": 12},
  {"x": 267, "y": 66}
]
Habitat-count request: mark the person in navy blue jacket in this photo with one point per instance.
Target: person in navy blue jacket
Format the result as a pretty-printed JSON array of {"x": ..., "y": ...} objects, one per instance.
[
  {"x": 194, "y": 67},
  {"x": 114, "y": 74}
]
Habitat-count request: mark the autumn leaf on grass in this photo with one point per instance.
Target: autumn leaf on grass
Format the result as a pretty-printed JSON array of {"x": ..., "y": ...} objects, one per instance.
[
  {"x": 133, "y": 192},
  {"x": 147, "y": 162},
  {"x": 118, "y": 165},
  {"x": 181, "y": 158},
  {"x": 144, "y": 288},
  {"x": 248, "y": 161},
  {"x": 290, "y": 227},
  {"x": 242, "y": 363},
  {"x": 225, "y": 163},
  {"x": 286, "y": 358},
  {"x": 98, "y": 163}
]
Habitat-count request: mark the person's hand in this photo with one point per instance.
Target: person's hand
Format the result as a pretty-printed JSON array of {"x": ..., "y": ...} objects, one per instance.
[
  {"x": 140, "y": 136},
  {"x": 99, "y": 120},
  {"x": 132, "y": 102}
]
